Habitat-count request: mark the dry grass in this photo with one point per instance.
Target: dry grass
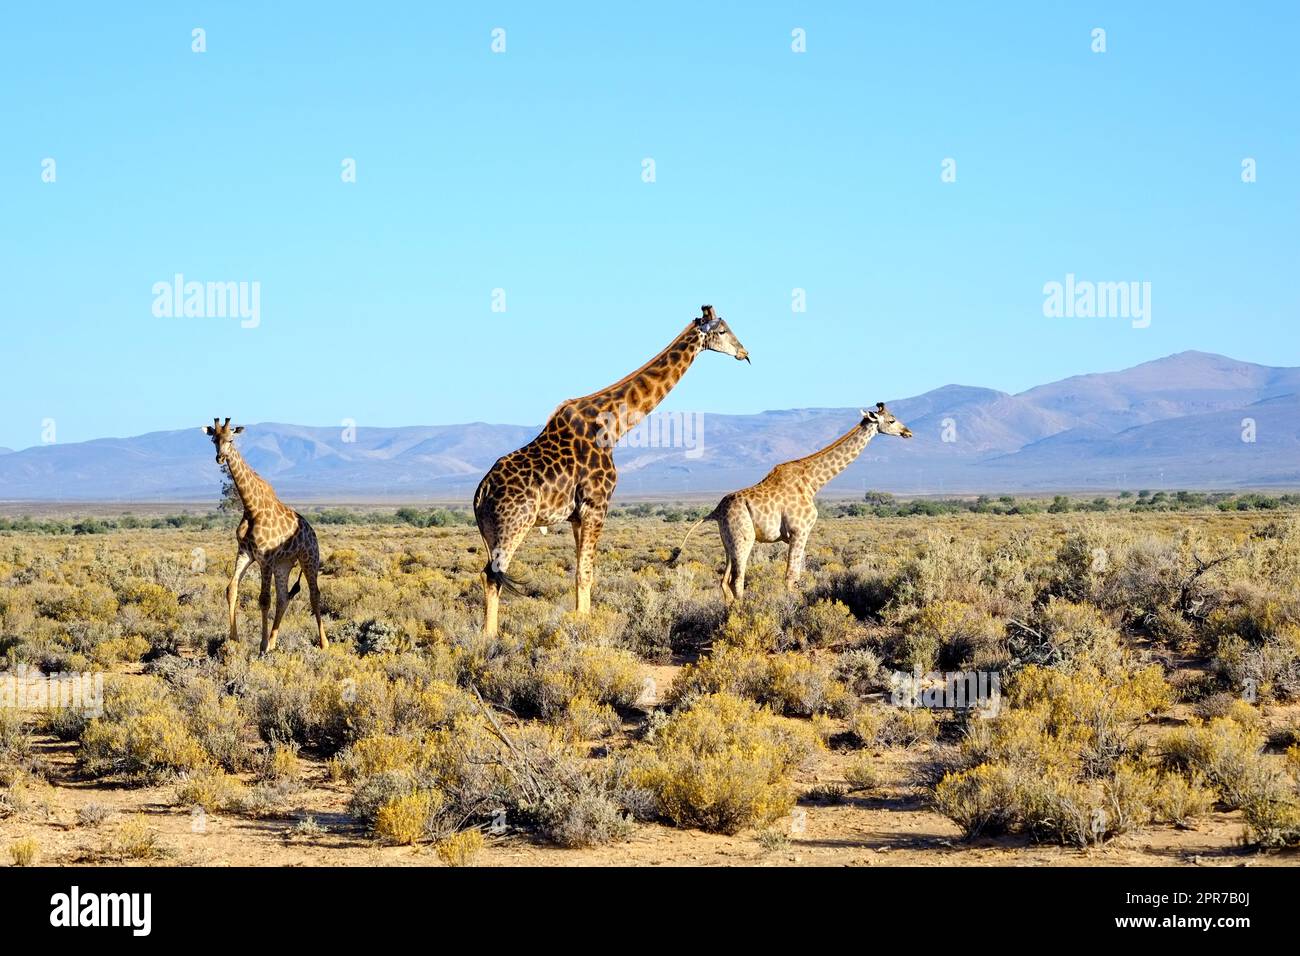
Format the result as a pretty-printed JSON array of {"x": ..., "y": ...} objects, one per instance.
[
  {"x": 24, "y": 852},
  {"x": 1100, "y": 627}
]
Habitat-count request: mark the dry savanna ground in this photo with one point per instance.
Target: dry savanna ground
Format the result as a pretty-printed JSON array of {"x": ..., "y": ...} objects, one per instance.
[{"x": 1149, "y": 666}]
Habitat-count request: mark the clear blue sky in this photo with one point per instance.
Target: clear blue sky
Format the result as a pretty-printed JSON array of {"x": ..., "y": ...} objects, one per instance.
[{"x": 522, "y": 171}]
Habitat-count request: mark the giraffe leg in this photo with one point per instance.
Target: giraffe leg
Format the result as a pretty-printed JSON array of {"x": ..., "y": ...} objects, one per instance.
[
  {"x": 794, "y": 562},
  {"x": 744, "y": 544},
  {"x": 243, "y": 561},
  {"x": 577, "y": 565},
  {"x": 264, "y": 602},
  {"x": 500, "y": 553},
  {"x": 281, "y": 602},
  {"x": 586, "y": 533},
  {"x": 313, "y": 590},
  {"x": 491, "y": 603},
  {"x": 737, "y": 527},
  {"x": 729, "y": 549}
]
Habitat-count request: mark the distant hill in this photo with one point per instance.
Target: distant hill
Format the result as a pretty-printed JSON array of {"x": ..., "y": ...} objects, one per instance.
[{"x": 1174, "y": 422}]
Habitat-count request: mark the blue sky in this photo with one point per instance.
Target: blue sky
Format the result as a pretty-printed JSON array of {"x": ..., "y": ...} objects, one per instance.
[{"x": 522, "y": 171}]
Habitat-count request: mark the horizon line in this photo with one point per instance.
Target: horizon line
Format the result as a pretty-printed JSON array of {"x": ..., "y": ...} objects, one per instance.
[{"x": 765, "y": 411}]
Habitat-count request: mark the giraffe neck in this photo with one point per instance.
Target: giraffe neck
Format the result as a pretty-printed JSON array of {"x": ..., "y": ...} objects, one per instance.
[
  {"x": 621, "y": 406},
  {"x": 824, "y": 465},
  {"x": 253, "y": 490}
]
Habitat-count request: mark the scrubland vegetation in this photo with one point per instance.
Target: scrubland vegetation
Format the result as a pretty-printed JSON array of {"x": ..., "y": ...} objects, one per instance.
[
  {"x": 1148, "y": 661},
  {"x": 879, "y": 504}
]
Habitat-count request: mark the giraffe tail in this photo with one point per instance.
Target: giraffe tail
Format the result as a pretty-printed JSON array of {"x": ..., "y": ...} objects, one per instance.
[
  {"x": 297, "y": 586},
  {"x": 504, "y": 581},
  {"x": 677, "y": 551}
]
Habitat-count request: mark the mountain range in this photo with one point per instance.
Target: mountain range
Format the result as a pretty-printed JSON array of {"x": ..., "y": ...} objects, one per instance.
[{"x": 1191, "y": 420}]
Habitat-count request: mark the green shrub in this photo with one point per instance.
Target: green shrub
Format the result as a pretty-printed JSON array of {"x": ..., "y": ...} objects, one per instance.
[
  {"x": 790, "y": 683},
  {"x": 1228, "y": 753},
  {"x": 142, "y": 734},
  {"x": 724, "y": 764}
]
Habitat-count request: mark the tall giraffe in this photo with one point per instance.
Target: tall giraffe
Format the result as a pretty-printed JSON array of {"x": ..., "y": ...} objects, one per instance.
[
  {"x": 271, "y": 534},
  {"x": 567, "y": 472},
  {"x": 781, "y": 506}
]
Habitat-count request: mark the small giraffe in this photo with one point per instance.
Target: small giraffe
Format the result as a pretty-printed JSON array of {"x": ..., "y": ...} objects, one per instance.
[
  {"x": 781, "y": 506},
  {"x": 271, "y": 534},
  {"x": 567, "y": 472}
]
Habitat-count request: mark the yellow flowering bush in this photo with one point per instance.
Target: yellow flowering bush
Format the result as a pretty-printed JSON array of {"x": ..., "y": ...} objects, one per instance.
[{"x": 724, "y": 764}]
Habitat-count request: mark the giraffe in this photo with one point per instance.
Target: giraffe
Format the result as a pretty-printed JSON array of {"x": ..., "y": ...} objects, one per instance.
[
  {"x": 781, "y": 506},
  {"x": 271, "y": 534},
  {"x": 567, "y": 472}
]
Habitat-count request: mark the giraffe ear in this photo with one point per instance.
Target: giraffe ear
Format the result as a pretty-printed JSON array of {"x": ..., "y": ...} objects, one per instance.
[
  {"x": 239, "y": 429},
  {"x": 206, "y": 429},
  {"x": 709, "y": 319},
  {"x": 869, "y": 416}
]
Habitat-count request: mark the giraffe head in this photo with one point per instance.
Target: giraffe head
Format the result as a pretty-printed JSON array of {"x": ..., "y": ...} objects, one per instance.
[
  {"x": 716, "y": 335},
  {"x": 885, "y": 421},
  {"x": 223, "y": 437}
]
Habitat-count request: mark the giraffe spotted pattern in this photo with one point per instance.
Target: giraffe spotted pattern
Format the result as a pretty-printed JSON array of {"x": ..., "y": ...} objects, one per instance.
[
  {"x": 271, "y": 535},
  {"x": 781, "y": 507},
  {"x": 567, "y": 472}
]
